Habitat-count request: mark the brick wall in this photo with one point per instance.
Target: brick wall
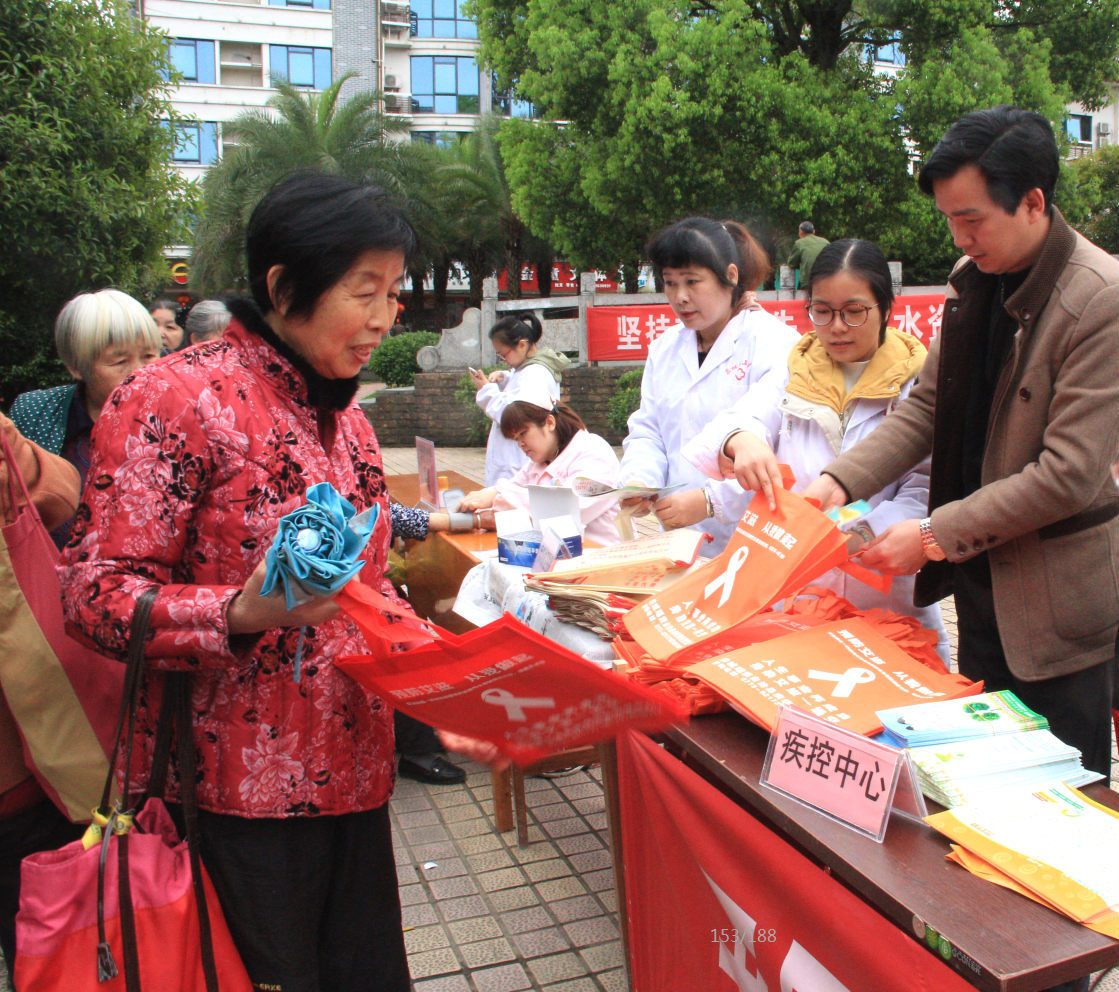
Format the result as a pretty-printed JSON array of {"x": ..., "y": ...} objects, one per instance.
[{"x": 430, "y": 409}]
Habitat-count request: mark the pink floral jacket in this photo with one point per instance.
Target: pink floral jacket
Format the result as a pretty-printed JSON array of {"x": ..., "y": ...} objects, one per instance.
[{"x": 196, "y": 458}]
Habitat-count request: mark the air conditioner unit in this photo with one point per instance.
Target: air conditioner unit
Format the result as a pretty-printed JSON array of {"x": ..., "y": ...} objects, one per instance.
[
  {"x": 1103, "y": 129},
  {"x": 391, "y": 82},
  {"x": 395, "y": 104}
]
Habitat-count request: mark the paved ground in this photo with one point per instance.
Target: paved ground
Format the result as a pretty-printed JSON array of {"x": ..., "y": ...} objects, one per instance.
[{"x": 484, "y": 915}]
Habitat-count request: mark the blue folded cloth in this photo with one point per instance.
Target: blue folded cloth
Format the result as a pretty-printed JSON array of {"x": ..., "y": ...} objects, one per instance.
[{"x": 315, "y": 551}]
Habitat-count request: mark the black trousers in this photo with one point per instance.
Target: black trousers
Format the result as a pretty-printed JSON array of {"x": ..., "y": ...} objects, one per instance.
[
  {"x": 311, "y": 901},
  {"x": 1078, "y": 706},
  {"x": 413, "y": 737}
]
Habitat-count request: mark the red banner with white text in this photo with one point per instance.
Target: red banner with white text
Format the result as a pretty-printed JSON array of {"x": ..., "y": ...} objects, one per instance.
[
  {"x": 716, "y": 901},
  {"x": 620, "y": 334}
]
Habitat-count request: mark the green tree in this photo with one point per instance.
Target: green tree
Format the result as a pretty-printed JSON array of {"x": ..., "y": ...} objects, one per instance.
[
  {"x": 763, "y": 111},
  {"x": 86, "y": 196},
  {"x": 306, "y": 131},
  {"x": 1089, "y": 196},
  {"x": 487, "y": 232},
  {"x": 689, "y": 114}
]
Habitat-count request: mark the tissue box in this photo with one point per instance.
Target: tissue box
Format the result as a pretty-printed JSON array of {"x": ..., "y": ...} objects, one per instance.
[
  {"x": 519, "y": 549},
  {"x": 517, "y": 540}
]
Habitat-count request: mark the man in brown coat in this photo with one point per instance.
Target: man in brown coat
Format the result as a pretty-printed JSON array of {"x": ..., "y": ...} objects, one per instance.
[{"x": 1018, "y": 402}]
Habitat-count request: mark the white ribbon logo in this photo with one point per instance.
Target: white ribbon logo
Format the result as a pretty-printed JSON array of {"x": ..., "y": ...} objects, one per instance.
[
  {"x": 726, "y": 580},
  {"x": 514, "y": 705},
  {"x": 845, "y": 683}
]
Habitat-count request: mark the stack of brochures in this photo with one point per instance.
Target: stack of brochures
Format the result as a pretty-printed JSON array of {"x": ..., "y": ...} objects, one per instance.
[
  {"x": 986, "y": 715},
  {"x": 1055, "y": 846},
  {"x": 598, "y": 588},
  {"x": 971, "y": 770}
]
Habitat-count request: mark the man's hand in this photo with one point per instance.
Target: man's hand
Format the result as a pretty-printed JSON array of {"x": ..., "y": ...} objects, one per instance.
[
  {"x": 827, "y": 491},
  {"x": 896, "y": 551},
  {"x": 249, "y": 612},
  {"x": 476, "y": 750},
  {"x": 753, "y": 464},
  {"x": 682, "y": 509}
]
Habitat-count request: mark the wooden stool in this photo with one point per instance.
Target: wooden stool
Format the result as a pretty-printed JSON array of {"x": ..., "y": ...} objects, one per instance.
[{"x": 509, "y": 786}]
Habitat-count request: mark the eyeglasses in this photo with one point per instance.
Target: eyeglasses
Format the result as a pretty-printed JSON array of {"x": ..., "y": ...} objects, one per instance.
[{"x": 854, "y": 315}]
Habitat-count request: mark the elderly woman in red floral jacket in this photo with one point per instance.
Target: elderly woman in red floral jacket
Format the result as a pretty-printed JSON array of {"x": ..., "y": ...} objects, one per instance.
[{"x": 196, "y": 458}]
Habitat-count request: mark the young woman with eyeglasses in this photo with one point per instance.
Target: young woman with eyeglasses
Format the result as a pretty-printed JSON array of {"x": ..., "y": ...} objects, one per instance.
[{"x": 845, "y": 377}]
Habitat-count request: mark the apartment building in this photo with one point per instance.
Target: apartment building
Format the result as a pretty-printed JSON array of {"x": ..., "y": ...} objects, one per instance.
[{"x": 422, "y": 55}]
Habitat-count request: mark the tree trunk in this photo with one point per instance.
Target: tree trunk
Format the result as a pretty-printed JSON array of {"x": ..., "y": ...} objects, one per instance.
[
  {"x": 543, "y": 261},
  {"x": 439, "y": 273},
  {"x": 415, "y": 309},
  {"x": 631, "y": 273},
  {"x": 514, "y": 263}
]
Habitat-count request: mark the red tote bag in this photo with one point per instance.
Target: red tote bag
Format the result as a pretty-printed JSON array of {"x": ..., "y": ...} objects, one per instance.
[
  {"x": 57, "y": 928},
  {"x": 63, "y": 695}
]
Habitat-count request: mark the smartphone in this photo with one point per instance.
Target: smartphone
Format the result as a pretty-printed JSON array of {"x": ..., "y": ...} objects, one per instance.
[{"x": 471, "y": 371}]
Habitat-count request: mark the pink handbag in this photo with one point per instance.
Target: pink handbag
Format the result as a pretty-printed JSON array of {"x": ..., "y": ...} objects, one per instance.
[
  {"x": 64, "y": 696},
  {"x": 129, "y": 906}
]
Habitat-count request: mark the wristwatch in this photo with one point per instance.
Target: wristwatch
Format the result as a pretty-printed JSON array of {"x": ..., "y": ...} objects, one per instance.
[{"x": 933, "y": 551}]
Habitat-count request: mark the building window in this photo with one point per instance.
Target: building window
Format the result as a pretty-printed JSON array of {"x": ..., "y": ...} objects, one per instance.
[
  {"x": 506, "y": 103},
  {"x": 316, "y": 4},
  {"x": 441, "y": 19},
  {"x": 193, "y": 59},
  {"x": 196, "y": 144},
  {"x": 890, "y": 54},
  {"x": 441, "y": 139},
  {"x": 1078, "y": 127},
  {"x": 444, "y": 84},
  {"x": 301, "y": 66}
]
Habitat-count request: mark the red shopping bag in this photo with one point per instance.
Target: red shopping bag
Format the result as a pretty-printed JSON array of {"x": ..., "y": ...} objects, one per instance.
[
  {"x": 57, "y": 928},
  {"x": 843, "y": 672},
  {"x": 770, "y": 554},
  {"x": 509, "y": 685}
]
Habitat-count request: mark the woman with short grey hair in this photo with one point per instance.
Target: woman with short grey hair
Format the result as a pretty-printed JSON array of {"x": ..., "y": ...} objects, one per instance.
[{"x": 207, "y": 320}]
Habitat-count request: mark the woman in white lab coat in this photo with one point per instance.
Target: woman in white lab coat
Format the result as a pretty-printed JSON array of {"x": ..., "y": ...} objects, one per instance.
[
  {"x": 845, "y": 377},
  {"x": 719, "y": 355},
  {"x": 534, "y": 371}
]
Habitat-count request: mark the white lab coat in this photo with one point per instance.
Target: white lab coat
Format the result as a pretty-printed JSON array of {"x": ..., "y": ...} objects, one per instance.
[
  {"x": 504, "y": 457},
  {"x": 745, "y": 368},
  {"x": 586, "y": 454},
  {"x": 809, "y": 438}
]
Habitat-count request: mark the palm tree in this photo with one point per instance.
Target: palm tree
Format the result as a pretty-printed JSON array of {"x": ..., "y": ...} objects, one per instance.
[
  {"x": 475, "y": 193},
  {"x": 306, "y": 130}
]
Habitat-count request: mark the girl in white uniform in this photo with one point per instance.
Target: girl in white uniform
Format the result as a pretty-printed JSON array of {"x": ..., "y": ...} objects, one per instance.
[
  {"x": 534, "y": 371},
  {"x": 719, "y": 355},
  {"x": 845, "y": 377},
  {"x": 559, "y": 448}
]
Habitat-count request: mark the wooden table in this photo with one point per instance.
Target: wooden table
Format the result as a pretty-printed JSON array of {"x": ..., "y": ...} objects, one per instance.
[
  {"x": 1017, "y": 945},
  {"x": 436, "y": 566}
]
